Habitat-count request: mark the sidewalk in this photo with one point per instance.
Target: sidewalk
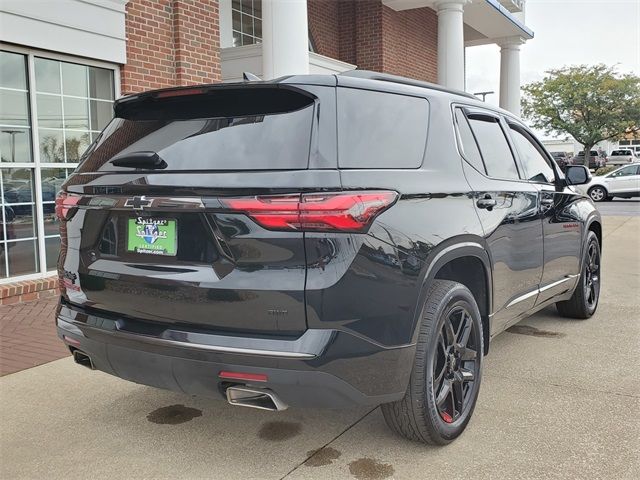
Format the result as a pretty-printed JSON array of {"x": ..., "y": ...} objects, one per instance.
[{"x": 28, "y": 335}]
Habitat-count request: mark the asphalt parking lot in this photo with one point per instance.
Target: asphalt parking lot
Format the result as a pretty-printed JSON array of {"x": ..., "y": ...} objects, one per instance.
[
  {"x": 620, "y": 207},
  {"x": 559, "y": 399}
]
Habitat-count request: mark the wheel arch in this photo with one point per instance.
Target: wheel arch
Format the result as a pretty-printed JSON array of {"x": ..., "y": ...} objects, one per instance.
[
  {"x": 466, "y": 261},
  {"x": 596, "y": 227}
]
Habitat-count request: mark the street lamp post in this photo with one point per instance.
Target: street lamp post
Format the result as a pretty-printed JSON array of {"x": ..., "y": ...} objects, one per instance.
[{"x": 484, "y": 94}]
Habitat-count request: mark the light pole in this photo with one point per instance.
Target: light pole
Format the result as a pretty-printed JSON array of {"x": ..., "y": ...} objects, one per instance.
[{"x": 484, "y": 94}]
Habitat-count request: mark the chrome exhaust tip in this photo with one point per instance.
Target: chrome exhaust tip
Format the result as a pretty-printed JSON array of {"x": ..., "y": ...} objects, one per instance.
[
  {"x": 260, "y": 398},
  {"x": 83, "y": 359}
]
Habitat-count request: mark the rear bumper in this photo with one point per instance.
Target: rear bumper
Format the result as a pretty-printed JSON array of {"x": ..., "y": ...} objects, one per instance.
[{"x": 322, "y": 368}]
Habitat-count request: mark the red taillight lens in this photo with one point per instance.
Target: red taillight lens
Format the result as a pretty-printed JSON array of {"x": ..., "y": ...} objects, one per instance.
[
  {"x": 315, "y": 212},
  {"x": 252, "y": 377},
  {"x": 64, "y": 204}
]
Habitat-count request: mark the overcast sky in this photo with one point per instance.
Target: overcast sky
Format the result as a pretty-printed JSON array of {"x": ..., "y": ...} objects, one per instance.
[{"x": 559, "y": 25}]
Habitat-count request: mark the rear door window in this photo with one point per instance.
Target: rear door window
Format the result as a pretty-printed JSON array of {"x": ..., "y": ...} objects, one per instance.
[
  {"x": 381, "y": 130},
  {"x": 495, "y": 150}
]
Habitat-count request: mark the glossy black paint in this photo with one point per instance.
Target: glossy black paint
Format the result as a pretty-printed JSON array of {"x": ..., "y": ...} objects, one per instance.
[{"x": 518, "y": 245}]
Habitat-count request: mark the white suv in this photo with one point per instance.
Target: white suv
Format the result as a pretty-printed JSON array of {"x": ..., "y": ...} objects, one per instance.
[{"x": 623, "y": 182}]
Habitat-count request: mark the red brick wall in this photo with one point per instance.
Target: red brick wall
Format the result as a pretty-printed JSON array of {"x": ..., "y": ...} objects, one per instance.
[
  {"x": 375, "y": 37},
  {"x": 197, "y": 41},
  {"x": 324, "y": 19},
  {"x": 169, "y": 43},
  {"x": 369, "y": 40},
  {"x": 346, "y": 31},
  {"x": 410, "y": 43}
]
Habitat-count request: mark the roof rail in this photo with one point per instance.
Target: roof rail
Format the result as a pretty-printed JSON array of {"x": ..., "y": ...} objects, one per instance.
[{"x": 385, "y": 77}]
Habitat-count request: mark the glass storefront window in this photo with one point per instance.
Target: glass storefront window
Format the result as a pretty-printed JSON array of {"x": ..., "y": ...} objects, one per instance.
[{"x": 40, "y": 145}]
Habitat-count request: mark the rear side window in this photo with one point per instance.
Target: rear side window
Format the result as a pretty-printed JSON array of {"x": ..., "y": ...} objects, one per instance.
[
  {"x": 238, "y": 135},
  {"x": 536, "y": 167},
  {"x": 381, "y": 130},
  {"x": 494, "y": 147},
  {"x": 469, "y": 146}
]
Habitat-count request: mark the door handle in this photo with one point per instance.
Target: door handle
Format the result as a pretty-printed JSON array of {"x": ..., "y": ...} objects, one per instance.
[
  {"x": 547, "y": 201},
  {"x": 487, "y": 202}
]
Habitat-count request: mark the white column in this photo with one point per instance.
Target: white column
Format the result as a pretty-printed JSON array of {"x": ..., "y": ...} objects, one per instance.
[
  {"x": 225, "y": 18},
  {"x": 510, "y": 74},
  {"x": 285, "y": 38},
  {"x": 451, "y": 43}
]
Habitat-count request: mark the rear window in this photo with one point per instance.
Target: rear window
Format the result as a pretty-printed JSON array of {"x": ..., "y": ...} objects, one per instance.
[
  {"x": 381, "y": 130},
  {"x": 250, "y": 133}
]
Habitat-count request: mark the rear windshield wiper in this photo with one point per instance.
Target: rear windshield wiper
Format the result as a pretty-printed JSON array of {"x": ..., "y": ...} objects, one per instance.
[{"x": 145, "y": 160}]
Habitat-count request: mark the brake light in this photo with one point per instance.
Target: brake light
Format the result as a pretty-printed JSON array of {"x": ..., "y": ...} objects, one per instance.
[
  {"x": 64, "y": 204},
  {"x": 315, "y": 212},
  {"x": 181, "y": 92}
]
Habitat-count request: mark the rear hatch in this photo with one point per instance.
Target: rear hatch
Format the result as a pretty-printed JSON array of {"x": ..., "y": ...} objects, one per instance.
[{"x": 154, "y": 218}]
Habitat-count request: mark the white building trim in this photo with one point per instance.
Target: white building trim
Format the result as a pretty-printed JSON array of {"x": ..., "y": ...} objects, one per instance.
[
  {"x": 92, "y": 29},
  {"x": 235, "y": 61}
]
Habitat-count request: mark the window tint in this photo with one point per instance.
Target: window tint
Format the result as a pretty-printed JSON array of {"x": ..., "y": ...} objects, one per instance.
[
  {"x": 535, "y": 165},
  {"x": 252, "y": 142},
  {"x": 381, "y": 130},
  {"x": 626, "y": 171},
  {"x": 469, "y": 145},
  {"x": 495, "y": 150}
]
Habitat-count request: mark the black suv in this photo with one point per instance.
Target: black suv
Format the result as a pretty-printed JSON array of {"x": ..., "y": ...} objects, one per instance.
[{"x": 318, "y": 241}]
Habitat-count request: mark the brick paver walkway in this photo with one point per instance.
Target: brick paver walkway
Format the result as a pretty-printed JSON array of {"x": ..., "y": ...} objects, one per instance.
[{"x": 28, "y": 335}]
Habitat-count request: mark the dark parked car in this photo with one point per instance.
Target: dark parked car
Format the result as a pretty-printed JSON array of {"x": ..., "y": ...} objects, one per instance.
[
  {"x": 562, "y": 159},
  {"x": 318, "y": 241},
  {"x": 595, "y": 160}
]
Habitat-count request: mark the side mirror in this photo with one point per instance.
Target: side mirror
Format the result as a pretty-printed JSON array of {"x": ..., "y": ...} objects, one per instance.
[{"x": 577, "y": 175}]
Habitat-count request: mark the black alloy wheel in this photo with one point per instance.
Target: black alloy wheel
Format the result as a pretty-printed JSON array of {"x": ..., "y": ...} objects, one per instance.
[
  {"x": 447, "y": 369},
  {"x": 455, "y": 365},
  {"x": 591, "y": 278},
  {"x": 584, "y": 300}
]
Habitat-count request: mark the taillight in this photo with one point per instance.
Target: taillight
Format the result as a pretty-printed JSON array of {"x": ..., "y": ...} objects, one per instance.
[
  {"x": 315, "y": 212},
  {"x": 64, "y": 204}
]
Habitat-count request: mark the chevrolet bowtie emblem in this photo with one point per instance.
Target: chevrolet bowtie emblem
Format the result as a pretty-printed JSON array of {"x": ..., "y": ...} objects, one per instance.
[{"x": 138, "y": 203}]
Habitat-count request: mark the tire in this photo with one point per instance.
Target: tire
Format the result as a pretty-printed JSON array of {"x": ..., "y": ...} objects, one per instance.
[
  {"x": 418, "y": 416},
  {"x": 598, "y": 193},
  {"x": 584, "y": 301}
]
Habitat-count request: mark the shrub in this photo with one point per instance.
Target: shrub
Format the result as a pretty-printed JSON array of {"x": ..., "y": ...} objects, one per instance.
[{"x": 605, "y": 170}]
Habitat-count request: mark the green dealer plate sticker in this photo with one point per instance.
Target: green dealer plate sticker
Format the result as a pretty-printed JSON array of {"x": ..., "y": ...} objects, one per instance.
[{"x": 154, "y": 236}]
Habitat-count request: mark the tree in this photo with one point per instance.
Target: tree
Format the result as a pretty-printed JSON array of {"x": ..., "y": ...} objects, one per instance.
[{"x": 590, "y": 103}]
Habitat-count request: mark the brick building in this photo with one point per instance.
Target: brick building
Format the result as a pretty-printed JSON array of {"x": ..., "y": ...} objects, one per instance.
[{"x": 64, "y": 62}]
